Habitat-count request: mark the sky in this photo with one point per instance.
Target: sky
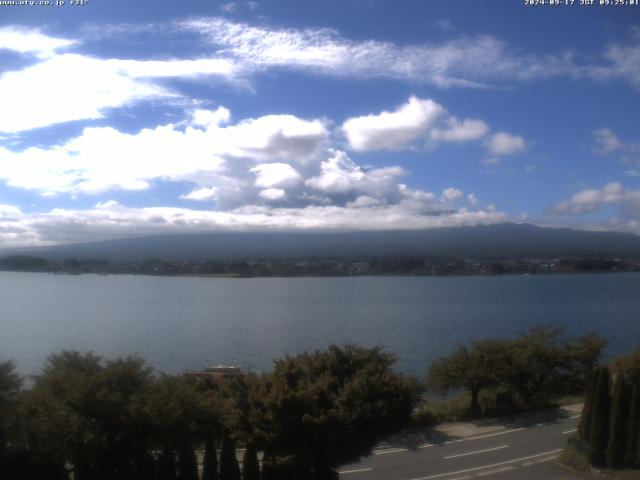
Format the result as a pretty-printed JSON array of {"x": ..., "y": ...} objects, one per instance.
[{"x": 131, "y": 118}]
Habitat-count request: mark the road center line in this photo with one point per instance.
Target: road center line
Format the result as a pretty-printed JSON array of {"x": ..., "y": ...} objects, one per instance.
[
  {"x": 566, "y": 432},
  {"x": 476, "y": 452},
  {"x": 440, "y": 475},
  {"x": 355, "y": 471}
]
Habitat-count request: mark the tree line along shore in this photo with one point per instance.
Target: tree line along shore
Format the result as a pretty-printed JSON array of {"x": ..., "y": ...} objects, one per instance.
[
  {"x": 324, "y": 266},
  {"x": 84, "y": 417}
]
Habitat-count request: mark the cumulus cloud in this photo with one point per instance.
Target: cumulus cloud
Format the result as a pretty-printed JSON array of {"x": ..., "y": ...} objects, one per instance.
[
  {"x": 451, "y": 194},
  {"x": 341, "y": 175},
  {"x": 503, "y": 143},
  {"x": 460, "y": 131},
  {"x": 416, "y": 119},
  {"x": 591, "y": 200},
  {"x": 269, "y": 175},
  {"x": 391, "y": 130},
  {"x": 103, "y": 158}
]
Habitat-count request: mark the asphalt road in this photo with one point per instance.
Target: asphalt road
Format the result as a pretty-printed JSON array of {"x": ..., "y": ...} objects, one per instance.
[{"x": 523, "y": 451}]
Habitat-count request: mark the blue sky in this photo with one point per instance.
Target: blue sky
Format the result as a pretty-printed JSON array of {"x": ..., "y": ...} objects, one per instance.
[{"x": 122, "y": 118}]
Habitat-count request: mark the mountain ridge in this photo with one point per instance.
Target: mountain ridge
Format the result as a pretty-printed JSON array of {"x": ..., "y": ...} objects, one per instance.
[{"x": 499, "y": 241}]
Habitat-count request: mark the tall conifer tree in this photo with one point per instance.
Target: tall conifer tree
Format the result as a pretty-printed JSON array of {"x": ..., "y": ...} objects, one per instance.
[
  {"x": 633, "y": 430},
  {"x": 599, "y": 429},
  {"x": 587, "y": 409},
  {"x": 618, "y": 424}
]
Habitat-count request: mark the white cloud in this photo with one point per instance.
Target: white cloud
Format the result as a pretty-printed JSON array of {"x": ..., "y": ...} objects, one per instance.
[
  {"x": 270, "y": 175},
  {"x": 272, "y": 194},
  {"x": 392, "y": 130},
  {"x": 503, "y": 143},
  {"x": 606, "y": 141},
  {"x": 207, "y": 118},
  {"x": 201, "y": 194},
  {"x": 103, "y": 158},
  {"x": 457, "y": 131},
  {"x": 341, "y": 175},
  {"x": 117, "y": 221},
  {"x": 475, "y": 61},
  {"x": 71, "y": 87},
  {"x": 451, "y": 194},
  {"x": 591, "y": 200},
  {"x": 23, "y": 40},
  {"x": 466, "y": 61}
]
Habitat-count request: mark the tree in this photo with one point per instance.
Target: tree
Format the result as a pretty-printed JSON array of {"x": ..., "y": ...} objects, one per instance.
[
  {"x": 599, "y": 429},
  {"x": 83, "y": 411},
  {"x": 210, "y": 462},
  {"x": 537, "y": 365},
  {"x": 187, "y": 464},
  {"x": 632, "y": 455},
  {"x": 544, "y": 363},
  {"x": 629, "y": 366},
  {"x": 10, "y": 384},
  {"x": 471, "y": 369},
  {"x": 250, "y": 465},
  {"x": 587, "y": 409},
  {"x": 229, "y": 468},
  {"x": 618, "y": 423},
  {"x": 324, "y": 409}
]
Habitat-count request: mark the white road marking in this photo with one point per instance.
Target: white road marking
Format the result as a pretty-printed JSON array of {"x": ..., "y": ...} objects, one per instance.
[
  {"x": 567, "y": 432},
  {"x": 449, "y": 442},
  {"x": 540, "y": 424},
  {"x": 476, "y": 452},
  {"x": 498, "y": 470},
  {"x": 526, "y": 464},
  {"x": 548, "y": 459},
  {"x": 576, "y": 416},
  {"x": 395, "y": 450},
  {"x": 355, "y": 471},
  {"x": 487, "y": 436},
  {"x": 488, "y": 466}
]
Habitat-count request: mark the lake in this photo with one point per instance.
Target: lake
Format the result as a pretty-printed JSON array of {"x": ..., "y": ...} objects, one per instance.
[{"x": 180, "y": 323}]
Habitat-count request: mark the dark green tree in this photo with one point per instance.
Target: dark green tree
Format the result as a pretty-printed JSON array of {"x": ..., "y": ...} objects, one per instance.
[
  {"x": 187, "y": 464},
  {"x": 328, "y": 408},
  {"x": 629, "y": 366},
  {"x": 210, "y": 462},
  {"x": 472, "y": 369},
  {"x": 81, "y": 410},
  {"x": 587, "y": 409},
  {"x": 599, "y": 429},
  {"x": 229, "y": 468},
  {"x": 250, "y": 465},
  {"x": 544, "y": 363},
  {"x": 618, "y": 423},
  {"x": 632, "y": 455},
  {"x": 167, "y": 468},
  {"x": 10, "y": 384}
]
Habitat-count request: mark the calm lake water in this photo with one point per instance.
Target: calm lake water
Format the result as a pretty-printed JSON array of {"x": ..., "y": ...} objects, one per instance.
[{"x": 180, "y": 323}]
